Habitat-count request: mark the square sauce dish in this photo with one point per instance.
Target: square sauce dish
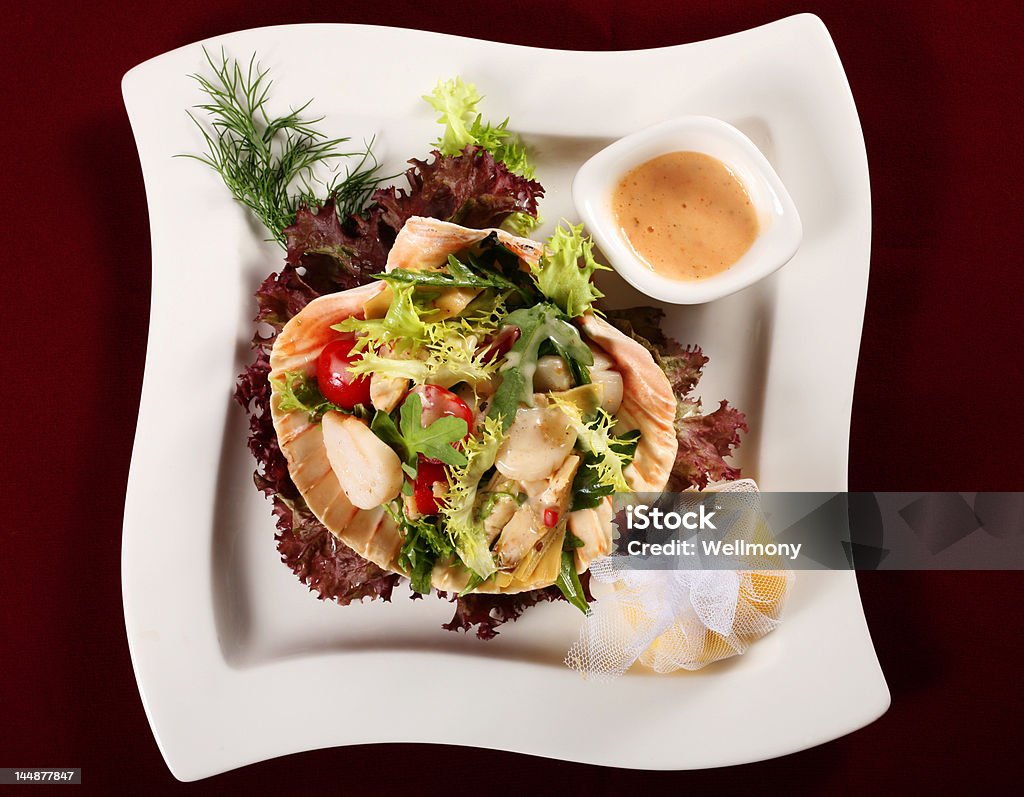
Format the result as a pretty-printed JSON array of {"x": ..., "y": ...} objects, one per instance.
[{"x": 688, "y": 211}]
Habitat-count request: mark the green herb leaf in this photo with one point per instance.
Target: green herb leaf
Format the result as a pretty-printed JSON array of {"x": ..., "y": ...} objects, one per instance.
[
  {"x": 474, "y": 582},
  {"x": 578, "y": 370},
  {"x": 423, "y": 544},
  {"x": 384, "y": 427},
  {"x": 433, "y": 441},
  {"x": 569, "y": 582},
  {"x": 433, "y": 278},
  {"x": 537, "y": 324},
  {"x": 588, "y": 486},
  {"x": 260, "y": 158},
  {"x": 459, "y": 275},
  {"x": 625, "y": 445}
]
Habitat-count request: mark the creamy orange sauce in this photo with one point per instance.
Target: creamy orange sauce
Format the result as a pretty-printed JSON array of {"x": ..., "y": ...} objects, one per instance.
[{"x": 685, "y": 214}]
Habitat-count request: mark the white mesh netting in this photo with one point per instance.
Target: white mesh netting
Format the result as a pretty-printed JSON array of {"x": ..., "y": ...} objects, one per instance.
[{"x": 680, "y": 619}]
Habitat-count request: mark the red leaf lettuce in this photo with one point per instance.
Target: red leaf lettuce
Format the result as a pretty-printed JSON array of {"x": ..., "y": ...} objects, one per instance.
[
  {"x": 487, "y": 611},
  {"x": 471, "y": 189}
]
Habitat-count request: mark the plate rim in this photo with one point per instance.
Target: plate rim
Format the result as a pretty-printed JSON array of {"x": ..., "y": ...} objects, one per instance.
[{"x": 176, "y": 760}]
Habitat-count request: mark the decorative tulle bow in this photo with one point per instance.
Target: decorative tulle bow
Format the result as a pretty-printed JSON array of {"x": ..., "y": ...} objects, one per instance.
[{"x": 676, "y": 619}]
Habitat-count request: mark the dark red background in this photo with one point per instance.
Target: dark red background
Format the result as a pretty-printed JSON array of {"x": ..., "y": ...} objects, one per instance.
[{"x": 939, "y": 386}]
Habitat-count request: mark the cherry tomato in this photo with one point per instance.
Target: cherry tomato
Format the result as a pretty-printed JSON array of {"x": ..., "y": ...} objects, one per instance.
[
  {"x": 428, "y": 473},
  {"x": 339, "y": 385},
  {"x": 438, "y": 402}
]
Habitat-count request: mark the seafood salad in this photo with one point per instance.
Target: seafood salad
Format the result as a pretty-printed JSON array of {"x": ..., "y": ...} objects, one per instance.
[
  {"x": 436, "y": 397},
  {"x": 474, "y": 413}
]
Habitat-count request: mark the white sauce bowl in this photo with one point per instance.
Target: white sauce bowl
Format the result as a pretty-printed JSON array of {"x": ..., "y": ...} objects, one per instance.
[{"x": 780, "y": 229}]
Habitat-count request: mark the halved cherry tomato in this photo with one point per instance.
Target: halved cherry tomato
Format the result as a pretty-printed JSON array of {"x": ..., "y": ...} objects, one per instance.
[
  {"x": 438, "y": 402},
  {"x": 337, "y": 383},
  {"x": 428, "y": 473}
]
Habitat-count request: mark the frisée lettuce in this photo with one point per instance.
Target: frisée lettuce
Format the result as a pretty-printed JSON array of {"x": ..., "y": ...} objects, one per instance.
[
  {"x": 460, "y": 511},
  {"x": 565, "y": 273}
]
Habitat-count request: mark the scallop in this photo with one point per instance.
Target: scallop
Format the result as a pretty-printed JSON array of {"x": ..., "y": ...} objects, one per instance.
[
  {"x": 387, "y": 391},
  {"x": 520, "y": 534},
  {"x": 552, "y": 374},
  {"x": 611, "y": 388},
  {"x": 367, "y": 468},
  {"x": 538, "y": 442},
  {"x": 593, "y": 527}
]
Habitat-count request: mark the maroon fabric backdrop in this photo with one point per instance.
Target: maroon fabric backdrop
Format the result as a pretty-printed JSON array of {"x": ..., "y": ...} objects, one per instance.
[{"x": 938, "y": 389}]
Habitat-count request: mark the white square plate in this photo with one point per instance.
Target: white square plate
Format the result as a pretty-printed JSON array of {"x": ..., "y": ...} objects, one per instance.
[{"x": 237, "y": 662}]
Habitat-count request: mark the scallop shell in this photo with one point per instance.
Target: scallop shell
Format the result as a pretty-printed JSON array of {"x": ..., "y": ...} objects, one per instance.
[
  {"x": 426, "y": 243},
  {"x": 648, "y": 404},
  {"x": 371, "y": 533}
]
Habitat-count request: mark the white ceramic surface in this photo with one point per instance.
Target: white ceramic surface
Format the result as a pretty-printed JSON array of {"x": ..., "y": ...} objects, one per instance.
[
  {"x": 780, "y": 230},
  {"x": 224, "y": 639}
]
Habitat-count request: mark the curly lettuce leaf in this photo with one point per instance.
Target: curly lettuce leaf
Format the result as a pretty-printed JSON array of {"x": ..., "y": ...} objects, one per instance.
[
  {"x": 446, "y": 366},
  {"x": 460, "y": 506},
  {"x": 253, "y": 392},
  {"x": 401, "y": 329},
  {"x": 281, "y": 297},
  {"x": 486, "y": 611},
  {"x": 588, "y": 487},
  {"x": 322, "y": 562},
  {"x": 704, "y": 443},
  {"x": 405, "y": 344},
  {"x": 595, "y": 437},
  {"x": 565, "y": 273},
  {"x": 456, "y": 101},
  {"x": 299, "y": 391},
  {"x": 522, "y": 224}
]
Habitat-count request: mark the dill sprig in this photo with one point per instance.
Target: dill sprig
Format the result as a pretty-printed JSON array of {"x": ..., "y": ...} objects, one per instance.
[{"x": 268, "y": 162}]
